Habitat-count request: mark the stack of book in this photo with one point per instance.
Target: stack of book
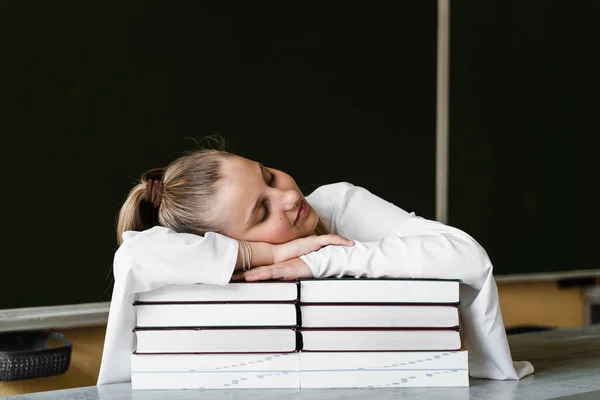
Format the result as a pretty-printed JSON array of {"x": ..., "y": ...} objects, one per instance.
[
  {"x": 206, "y": 336},
  {"x": 311, "y": 333},
  {"x": 380, "y": 333}
]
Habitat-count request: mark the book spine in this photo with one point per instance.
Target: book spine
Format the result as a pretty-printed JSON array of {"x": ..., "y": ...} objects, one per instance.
[
  {"x": 454, "y": 304},
  {"x": 221, "y": 380},
  {"x": 361, "y": 328},
  {"x": 284, "y": 361},
  {"x": 204, "y": 328},
  {"x": 384, "y": 361},
  {"x": 212, "y": 353},
  {"x": 160, "y": 303},
  {"x": 372, "y": 303},
  {"x": 377, "y": 351},
  {"x": 383, "y": 379},
  {"x": 353, "y": 278},
  {"x": 199, "y": 328}
]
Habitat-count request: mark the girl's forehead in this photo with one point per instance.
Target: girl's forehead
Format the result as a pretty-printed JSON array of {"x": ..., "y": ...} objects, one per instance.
[
  {"x": 240, "y": 187},
  {"x": 236, "y": 164}
]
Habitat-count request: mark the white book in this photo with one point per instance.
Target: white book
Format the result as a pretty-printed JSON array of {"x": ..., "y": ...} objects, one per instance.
[
  {"x": 215, "y": 340},
  {"x": 378, "y": 290},
  {"x": 394, "y": 316},
  {"x": 214, "y": 371},
  {"x": 238, "y": 362},
  {"x": 216, "y": 315},
  {"x": 382, "y": 360},
  {"x": 384, "y": 379},
  {"x": 383, "y": 369},
  {"x": 223, "y": 380},
  {"x": 235, "y": 291},
  {"x": 379, "y": 340}
]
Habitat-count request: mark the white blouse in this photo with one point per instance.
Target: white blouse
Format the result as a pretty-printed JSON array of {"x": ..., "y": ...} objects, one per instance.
[{"x": 388, "y": 242}]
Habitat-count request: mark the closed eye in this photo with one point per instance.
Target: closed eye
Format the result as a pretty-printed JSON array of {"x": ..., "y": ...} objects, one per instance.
[
  {"x": 270, "y": 180},
  {"x": 266, "y": 214}
]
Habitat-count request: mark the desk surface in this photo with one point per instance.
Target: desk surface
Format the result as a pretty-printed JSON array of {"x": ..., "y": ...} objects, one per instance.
[{"x": 567, "y": 363}]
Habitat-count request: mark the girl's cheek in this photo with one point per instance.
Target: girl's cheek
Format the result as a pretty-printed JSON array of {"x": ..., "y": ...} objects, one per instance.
[{"x": 280, "y": 233}]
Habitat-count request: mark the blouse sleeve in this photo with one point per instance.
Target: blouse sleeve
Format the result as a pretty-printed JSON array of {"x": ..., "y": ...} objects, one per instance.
[
  {"x": 159, "y": 256},
  {"x": 147, "y": 261},
  {"x": 392, "y": 242}
]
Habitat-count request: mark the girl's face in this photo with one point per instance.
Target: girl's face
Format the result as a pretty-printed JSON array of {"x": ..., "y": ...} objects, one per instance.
[{"x": 261, "y": 204}]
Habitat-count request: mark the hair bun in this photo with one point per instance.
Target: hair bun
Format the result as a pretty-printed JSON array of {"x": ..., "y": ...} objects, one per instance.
[{"x": 154, "y": 192}]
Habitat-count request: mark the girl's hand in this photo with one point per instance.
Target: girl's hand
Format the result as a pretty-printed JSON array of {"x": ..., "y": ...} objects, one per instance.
[
  {"x": 299, "y": 247},
  {"x": 287, "y": 271}
]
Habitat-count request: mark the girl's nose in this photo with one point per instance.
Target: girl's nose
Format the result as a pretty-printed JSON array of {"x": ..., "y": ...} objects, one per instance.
[{"x": 289, "y": 199}]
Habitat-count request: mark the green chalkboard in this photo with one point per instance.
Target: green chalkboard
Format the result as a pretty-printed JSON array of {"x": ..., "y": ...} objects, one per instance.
[
  {"x": 524, "y": 132},
  {"x": 93, "y": 95}
]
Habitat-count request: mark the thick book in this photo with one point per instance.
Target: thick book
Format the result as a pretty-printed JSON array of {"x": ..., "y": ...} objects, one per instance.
[
  {"x": 381, "y": 315},
  {"x": 235, "y": 291},
  {"x": 215, "y": 371},
  {"x": 199, "y": 340},
  {"x": 299, "y": 370},
  {"x": 383, "y": 369},
  {"x": 359, "y": 339},
  {"x": 379, "y": 290},
  {"x": 211, "y": 315}
]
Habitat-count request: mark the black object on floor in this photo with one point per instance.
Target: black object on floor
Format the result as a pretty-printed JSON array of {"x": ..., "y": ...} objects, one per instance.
[{"x": 26, "y": 355}]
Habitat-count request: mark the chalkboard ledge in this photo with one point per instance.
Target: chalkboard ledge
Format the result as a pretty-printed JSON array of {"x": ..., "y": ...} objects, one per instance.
[
  {"x": 547, "y": 276},
  {"x": 54, "y": 317}
]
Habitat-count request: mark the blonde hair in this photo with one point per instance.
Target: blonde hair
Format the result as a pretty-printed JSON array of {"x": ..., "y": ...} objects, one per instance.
[{"x": 189, "y": 187}]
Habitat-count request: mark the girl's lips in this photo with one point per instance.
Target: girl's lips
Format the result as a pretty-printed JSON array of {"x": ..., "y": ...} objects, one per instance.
[{"x": 302, "y": 211}]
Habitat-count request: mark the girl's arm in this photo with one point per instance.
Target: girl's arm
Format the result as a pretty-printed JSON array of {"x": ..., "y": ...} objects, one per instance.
[
  {"x": 157, "y": 257},
  {"x": 424, "y": 249},
  {"x": 391, "y": 242}
]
